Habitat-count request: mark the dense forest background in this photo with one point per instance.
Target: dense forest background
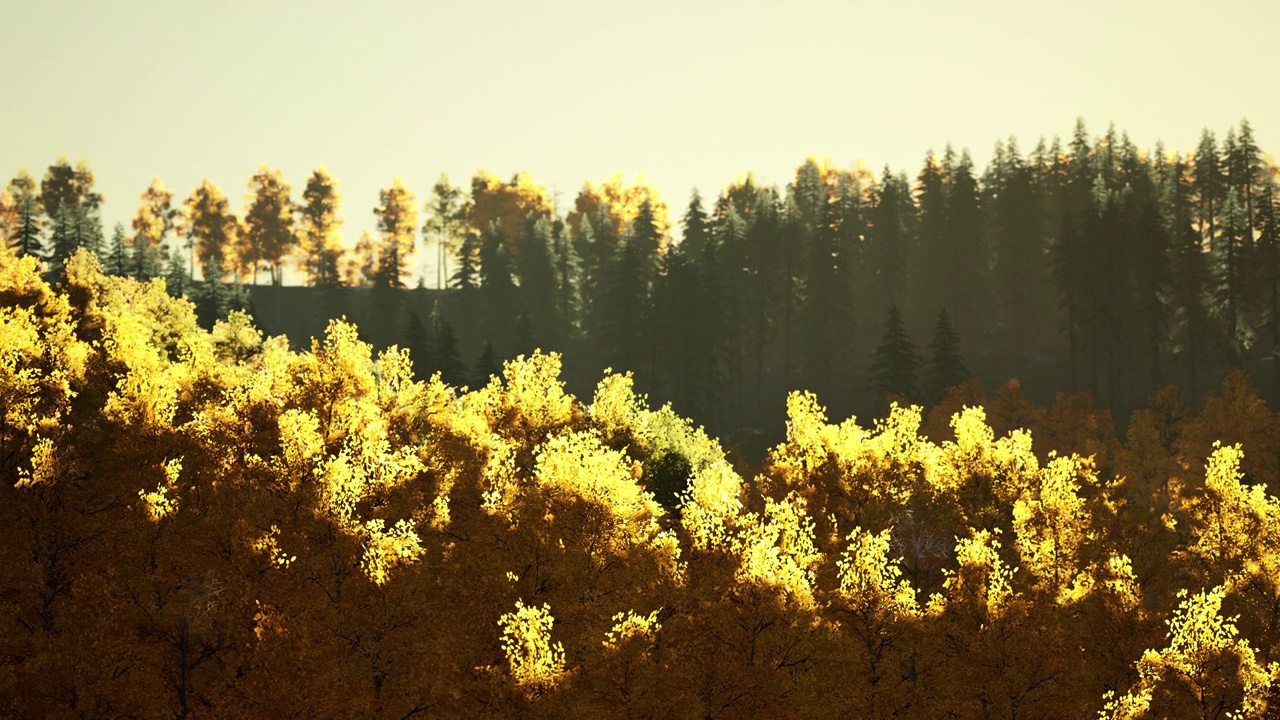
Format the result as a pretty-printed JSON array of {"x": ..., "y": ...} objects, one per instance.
[{"x": 1087, "y": 265}]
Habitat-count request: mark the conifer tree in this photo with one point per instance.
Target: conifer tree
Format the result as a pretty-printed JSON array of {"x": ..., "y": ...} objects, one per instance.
[
  {"x": 177, "y": 281},
  {"x": 467, "y": 276},
  {"x": 946, "y": 367},
  {"x": 487, "y": 366},
  {"x": 1191, "y": 273},
  {"x": 827, "y": 319},
  {"x": 452, "y": 370},
  {"x": 935, "y": 267},
  {"x": 417, "y": 339},
  {"x": 568, "y": 283},
  {"x": 499, "y": 298},
  {"x": 539, "y": 288},
  {"x": 116, "y": 259},
  {"x": 1210, "y": 187},
  {"x": 895, "y": 362}
]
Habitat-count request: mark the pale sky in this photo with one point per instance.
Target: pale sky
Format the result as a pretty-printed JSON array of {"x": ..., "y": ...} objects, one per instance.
[{"x": 686, "y": 93}]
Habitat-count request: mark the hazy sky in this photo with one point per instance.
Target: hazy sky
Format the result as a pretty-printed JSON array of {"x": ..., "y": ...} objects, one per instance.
[{"x": 688, "y": 93}]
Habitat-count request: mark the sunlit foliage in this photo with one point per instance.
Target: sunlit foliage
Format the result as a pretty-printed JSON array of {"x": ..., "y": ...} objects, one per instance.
[{"x": 209, "y": 523}]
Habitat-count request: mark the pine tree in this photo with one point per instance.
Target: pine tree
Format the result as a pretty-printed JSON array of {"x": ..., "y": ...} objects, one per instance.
[
  {"x": 397, "y": 221},
  {"x": 467, "y": 276},
  {"x": 487, "y": 366},
  {"x": 1191, "y": 274},
  {"x": 946, "y": 368},
  {"x": 895, "y": 363},
  {"x": 417, "y": 339},
  {"x": 935, "y": 269},
  {"x": 177, "y": 281},
  {"x": 826, "y": 317},
  {"x": 499, "y": 299},
  {"x": 568, "y": 284},
  {"x": 452, "y": 370},
  {"x": 30, "y": 226},
  {"x": 539, "y": 288},
  {"x": 116, "y": 260}
]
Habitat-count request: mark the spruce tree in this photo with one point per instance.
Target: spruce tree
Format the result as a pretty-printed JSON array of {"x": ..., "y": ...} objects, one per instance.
[
  {"x": 487, "y": 366},
  {"x": 467, "y": 276},
  {"x": 417, "y": 340},
  {"x": 451, "y": 368},
  {"x": 177, "y": 281},
  {"x": 116, "y": 259},
  {"x": 946, "y": 367},
  {"x": 895, "y": 363}
]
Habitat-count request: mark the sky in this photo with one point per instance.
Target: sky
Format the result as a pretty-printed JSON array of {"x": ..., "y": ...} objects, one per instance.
[{"x": 687, "y": 93}]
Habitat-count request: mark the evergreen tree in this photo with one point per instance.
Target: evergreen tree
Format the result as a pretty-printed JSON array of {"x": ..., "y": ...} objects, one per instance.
[
  {"x": 177, "y": 281},
  {"x": 27, "y": 238},
  {"x": 417, "y": 339},
  {"x": 214, "y": 299},
  {"x": 946, "y": 368},
  {"x": 452, "y": 370},
  {"x": 827, "y": 320},
  {"x": 499, "y": 301},
  {"x": 1191, "y": 274},
  {"x": 539, "y": 289},
  {"x": 1210, "y": 187},
  {"x": 467, "y": 276},
  {"x": 1152, "y": 277},
  {"x": 695, "y": 225},
  {"x": 116, "y": 260},
  {"x": 568, "y": 281},
  {"x": 935, "y": 271},
  {"x": 397, "y": 221},
  {"x": 627, "y": 315},
  {"x": 895, "y": 363},
  {"x": 487, "y": 366}
]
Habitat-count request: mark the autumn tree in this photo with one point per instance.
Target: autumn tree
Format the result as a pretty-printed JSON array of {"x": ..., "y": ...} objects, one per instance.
[
  {"x": 269, "y": 234},
  {"x": 154, "y": 219},
  {"x": 319, "y": 239},
  {"x": 210, "y": 228},
  {"x": 447, "y": 214},
  {"x": 397, "y": 222}
]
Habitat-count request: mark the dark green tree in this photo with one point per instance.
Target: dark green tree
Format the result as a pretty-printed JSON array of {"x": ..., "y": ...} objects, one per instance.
[
  {"x": 115, "y": 260},
  {"x": 895, "y": 363},
  {"x": 452, "y": 370},
  {"x": 487, "y": 366},
  {"x": 946, "y": 367}
]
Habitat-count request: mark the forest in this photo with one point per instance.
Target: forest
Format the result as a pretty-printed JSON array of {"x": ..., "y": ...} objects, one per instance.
[
  {"x": 203, "y": 519},
  {"x": 1087, "y": 265}
]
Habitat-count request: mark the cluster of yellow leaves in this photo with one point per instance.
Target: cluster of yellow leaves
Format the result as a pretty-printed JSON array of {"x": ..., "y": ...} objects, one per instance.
[
  {"x": 1205, "y": 662},
  {"x": 535, "y": 663}
]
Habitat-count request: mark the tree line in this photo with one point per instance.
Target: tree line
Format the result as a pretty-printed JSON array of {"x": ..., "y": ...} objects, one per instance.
[{"x": 1094, "y": 264}]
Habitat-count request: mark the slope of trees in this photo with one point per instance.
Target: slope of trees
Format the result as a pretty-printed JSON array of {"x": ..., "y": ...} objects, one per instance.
[{"x": 209, "y": 524}]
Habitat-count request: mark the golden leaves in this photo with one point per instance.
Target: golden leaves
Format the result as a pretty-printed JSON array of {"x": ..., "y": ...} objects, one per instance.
[{"x": 535, "y": 663}]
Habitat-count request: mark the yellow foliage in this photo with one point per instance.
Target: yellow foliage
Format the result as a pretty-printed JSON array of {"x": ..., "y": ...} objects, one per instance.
[
  {"x": 869, "y": 581},
  {"x": 385, "y": 549},
  {"x": 535, "y": 663}
]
